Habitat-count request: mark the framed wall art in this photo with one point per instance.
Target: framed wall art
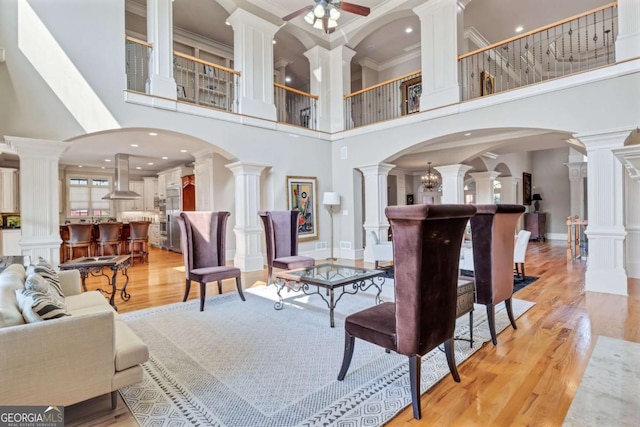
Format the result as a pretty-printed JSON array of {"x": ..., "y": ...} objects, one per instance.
[
  {"x": 487, "y": 86},
  {"x": 302, "y": 195},
  {"x": 526, "y": 188},
  {"x": 411, "y": 92}
]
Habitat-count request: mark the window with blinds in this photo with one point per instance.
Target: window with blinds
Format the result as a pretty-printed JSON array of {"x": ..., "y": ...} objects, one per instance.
[{"x": 85, "y": 196}]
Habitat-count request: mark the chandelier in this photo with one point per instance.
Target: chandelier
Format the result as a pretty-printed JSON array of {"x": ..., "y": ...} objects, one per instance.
[
  {"x": 320, "y": 11},
  {"x": 430, "y": 180}
]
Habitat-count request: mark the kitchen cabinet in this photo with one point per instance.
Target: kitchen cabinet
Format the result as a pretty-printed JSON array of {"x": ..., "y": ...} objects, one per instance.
[
  {"x": 172, "y": 178},
  {"x": 9, "y": 190},
  {"x": 162, "y": 185},
  {"x": 154, "y": 234},
  {"x": 188, "y": 193},
  {"x": 150, "y": 193},
  {"x": 10, "y": 242}
]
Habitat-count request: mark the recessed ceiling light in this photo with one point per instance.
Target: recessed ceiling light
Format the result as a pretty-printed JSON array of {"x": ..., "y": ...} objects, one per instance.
[
  {"x": 79, "y": 166},
  {"x": 165, "y": 158},
  {"x": 467, "y": 134},
  {"x": 107, "y": 160},
  {"x": 134, "y": 145},
  {"x": 408, "y": 30},
  {"x": 101, "y": 167},
  {"x": 138, "y": 167},
  {"x": 519, "y": 29},
  {"x": 153, "y": 134},
  {"x": 287, "y": 79},
  {"x": 150, "y": 163},
  {"x": 183, "y": 151}
]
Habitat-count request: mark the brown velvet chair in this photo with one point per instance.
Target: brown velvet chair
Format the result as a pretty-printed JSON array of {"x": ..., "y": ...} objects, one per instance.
[
  {"x": 109, "y": 237},
  {"x": 202, "y": 239},
  {"x": 426, "y": 252},
  {"x": 281, "y": 233},
  {"x": 492, "y": 230},
  {"x": 139, "y": 238},
  {"x": 80, "y": 236}
]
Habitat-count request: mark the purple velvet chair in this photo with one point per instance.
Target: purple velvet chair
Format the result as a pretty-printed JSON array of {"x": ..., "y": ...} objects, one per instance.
[
  {"x": 202, "y": 238},
  {"x": 281, "y": 232},
  {"x": 426, "y": 253},
  {"x": 492, "y": 231}
]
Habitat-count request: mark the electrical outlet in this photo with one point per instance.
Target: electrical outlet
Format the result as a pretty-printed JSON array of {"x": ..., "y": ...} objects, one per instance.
[{"x": 321, "y": 245}]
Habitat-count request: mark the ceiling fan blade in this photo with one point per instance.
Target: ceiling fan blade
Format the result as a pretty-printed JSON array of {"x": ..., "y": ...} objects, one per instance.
[
  {"x": 355, "y": 8},
  {"x": 297, "y": 13}
]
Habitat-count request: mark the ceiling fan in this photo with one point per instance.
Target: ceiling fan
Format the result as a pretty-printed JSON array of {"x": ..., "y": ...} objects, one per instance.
[{"x": 324, "y": 14}]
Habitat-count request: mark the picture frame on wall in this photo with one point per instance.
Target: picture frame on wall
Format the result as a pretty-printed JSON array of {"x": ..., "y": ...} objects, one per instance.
[
  {"x": 410, "y": 199},
  {"x": 208, "y": 70},
  {"x": 487, "y": 86},
  {"x": 302, "y": 196},
  {"x": 526, "y": 188},
  {"x": 411, "y": 92}
]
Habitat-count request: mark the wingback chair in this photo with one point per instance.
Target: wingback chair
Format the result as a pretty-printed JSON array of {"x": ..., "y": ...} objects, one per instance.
[
  {"x": 202, "y": 239},
  {"x": 281, "y": 233},
  {"x": 426, "y": 242},
  {"x": 492, "y": 230}
]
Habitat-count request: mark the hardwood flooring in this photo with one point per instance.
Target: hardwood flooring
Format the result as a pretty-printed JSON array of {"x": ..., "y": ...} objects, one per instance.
[{"x": 529, "y": 378}]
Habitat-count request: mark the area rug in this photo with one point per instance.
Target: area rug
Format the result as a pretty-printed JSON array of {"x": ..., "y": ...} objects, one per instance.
[
  {"x": 246, "y": 364},
  {"x": 518, "y": 283}
]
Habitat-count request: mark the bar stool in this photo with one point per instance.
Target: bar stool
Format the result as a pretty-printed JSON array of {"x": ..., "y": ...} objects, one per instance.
[
  {"x": 139, "y": 235},
  {"x": 80, "y": 236},
  {"x": 109, "y": 237}
]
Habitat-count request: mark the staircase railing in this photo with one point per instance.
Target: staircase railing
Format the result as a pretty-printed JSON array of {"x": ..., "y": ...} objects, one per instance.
[
  {"x": 137, "y": 54},
  {"x": 383, "y": 101},
  {"x": 205, "y": 83},
  {"x": 296, "y": 107},
  {"x": 575, "y": 44}
]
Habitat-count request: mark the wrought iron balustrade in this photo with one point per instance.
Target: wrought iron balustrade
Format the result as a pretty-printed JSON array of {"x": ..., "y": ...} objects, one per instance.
[
  {"x": 384, "y": 101},
  {"x": 204, "y": 83},
  {"x": 579, "y": 43},
  {"x": 137, "y": 54},
  {"x": 296, "y": 107}
]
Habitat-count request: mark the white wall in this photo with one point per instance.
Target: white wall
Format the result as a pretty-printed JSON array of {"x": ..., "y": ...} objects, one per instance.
[{"x": 550, "y": 178}]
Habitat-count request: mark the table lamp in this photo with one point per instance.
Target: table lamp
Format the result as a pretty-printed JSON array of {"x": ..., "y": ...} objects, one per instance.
[{"x": 536, "y": 202}]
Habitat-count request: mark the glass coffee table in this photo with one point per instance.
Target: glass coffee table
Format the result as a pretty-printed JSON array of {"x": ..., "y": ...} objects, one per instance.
[{"x": 330, "y": 277}]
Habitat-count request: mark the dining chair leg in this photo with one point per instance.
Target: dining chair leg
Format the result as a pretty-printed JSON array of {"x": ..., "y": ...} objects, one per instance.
[
  {"x": 471, "y": 329},
  {"x": 203, "y": 294},
  {"x": 414, "y": 378},
  {"x": 512, "y": 319},
  {"x": 239, "y": 286},
  {"x": 219, "y": 287},
  {"x": 187, "y": 288},
  {"x": 451, "y": 359},
  {"x": 491, "y": 319},
  {"x": 349, "y": 342}
]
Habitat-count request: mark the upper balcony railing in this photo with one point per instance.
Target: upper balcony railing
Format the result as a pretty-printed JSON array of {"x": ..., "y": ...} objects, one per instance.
[
  {"x": 205, "y": 83},
  {"x": 137, "y": 60},
  {"x": 384, "y": 101},
  {"x": 569, "y": 46},
  {"x": 296, "y": 107}
]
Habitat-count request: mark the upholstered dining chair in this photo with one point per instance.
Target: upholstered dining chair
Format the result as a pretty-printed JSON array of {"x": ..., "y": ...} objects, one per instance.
[
  {"x": 520, "y": 252},
  {"x": 426, "y": 242},
  {"x": 202, "y": 239},
  {"x": 382, "y": 251},
  {"x": 281, "y": 234},
  {"x": 80, "y": 236},
  {"x": 492, "y": 230},
  {"x": 139, "y": 240},
  {"x": 109, "y": 237}
]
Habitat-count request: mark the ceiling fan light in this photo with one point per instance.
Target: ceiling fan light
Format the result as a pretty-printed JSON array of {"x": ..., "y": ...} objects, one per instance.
[
  {"x": 318, "y": 11},
  {"x": 318, "y": 24},
  {"x": 334, "y": 13},
  {"x": 332, "y": 23},
  {"x": 309, "y": 18}
]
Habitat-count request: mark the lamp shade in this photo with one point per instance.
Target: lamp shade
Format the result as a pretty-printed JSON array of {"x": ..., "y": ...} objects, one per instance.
[
  {"x": 330, "y": 198},
  {"x": 536, "y": 197}
]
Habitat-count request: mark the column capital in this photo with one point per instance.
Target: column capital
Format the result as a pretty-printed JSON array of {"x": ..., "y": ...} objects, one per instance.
[
  {"x": 36, "y": 148},
  {"x": 491, "y": 175},
  {"x": 241, "y": 17},
  {"x": 378, "y": 169},
  {"x": 245, "y": 168},
  {"x": 456, "y": 170},
  {"x": 609, "y": 138},
  {"x": 428, "y": 7}
]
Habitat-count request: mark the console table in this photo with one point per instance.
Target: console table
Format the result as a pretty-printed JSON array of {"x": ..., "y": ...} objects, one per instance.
[{"x": 536, "y": 223}]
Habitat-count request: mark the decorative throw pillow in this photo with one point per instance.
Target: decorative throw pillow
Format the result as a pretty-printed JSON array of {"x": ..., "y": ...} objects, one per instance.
[
  {"x": 44, "y": 269},
  {"x": 36, "y": 282},
  {"x": 37, "y": 306}
]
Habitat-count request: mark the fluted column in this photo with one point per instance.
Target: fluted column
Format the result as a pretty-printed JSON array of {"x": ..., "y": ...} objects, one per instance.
[
  {"x": 452, "y": 183},
  {"x": 375, "y": 188},
  {"x": 203, "y": 171},
  {"x": 39, "y": 196},
  {"x": 160, "y": 35},
  {"x": 247, "y": 228},
  {"x": 484, "y": 186},
  {"x": 509, "y": 189},
  {"x": 606, "y": 230},
  {"x": 577, "y": 172},
  {"x": 628, "y": 40}
]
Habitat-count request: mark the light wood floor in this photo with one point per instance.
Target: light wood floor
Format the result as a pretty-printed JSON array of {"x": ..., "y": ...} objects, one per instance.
[{"x": 529, "y": 378}]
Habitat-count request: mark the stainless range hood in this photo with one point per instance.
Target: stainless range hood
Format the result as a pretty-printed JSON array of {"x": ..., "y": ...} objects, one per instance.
[{"x": 122, "y": 191}]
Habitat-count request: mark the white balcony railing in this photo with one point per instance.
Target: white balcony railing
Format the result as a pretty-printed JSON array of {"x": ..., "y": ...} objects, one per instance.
[
  {"x": 296, "y": 107},
  {"x": 137, "y": 60}
]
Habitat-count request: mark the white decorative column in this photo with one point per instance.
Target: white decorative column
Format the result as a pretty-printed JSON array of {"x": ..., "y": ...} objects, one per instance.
[
  {"x": 248, "y": 229},
  {"x": 628, "y": 40},
  {"x": 160, "y": 35},
  {"x": 577, "y": 172},
  {"x": 606, "y": 231},
  {"x": 452, "y": 183},
  {"x": 330, "y": 80},
  {"x": 39, "y": 196},
  {"x": 203, "y": 171},
  {"x": 484, "y": 186},
  {"x": 253, "y": 56},
  {"x": 439, "y": 41},
  {"x": 375, "y": 190},
  {"x": 509, "y": 190}
]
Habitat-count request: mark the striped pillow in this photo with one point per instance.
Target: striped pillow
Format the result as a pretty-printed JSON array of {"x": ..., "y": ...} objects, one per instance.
[
  {"x": 36, "y": 282},
  {"x": 37, "y": 306},
  {"x": 44, "y": 269}
]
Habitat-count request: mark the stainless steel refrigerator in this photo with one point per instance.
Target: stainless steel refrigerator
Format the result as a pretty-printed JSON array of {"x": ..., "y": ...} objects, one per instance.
[{"x": 173, "y": 206}]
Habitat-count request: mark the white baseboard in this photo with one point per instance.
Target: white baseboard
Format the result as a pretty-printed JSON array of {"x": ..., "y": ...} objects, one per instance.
[{"x": 557, "y": 236}]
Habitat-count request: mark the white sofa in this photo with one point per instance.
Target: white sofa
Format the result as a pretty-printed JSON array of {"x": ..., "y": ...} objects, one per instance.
[{"x": 66, "y": 360}]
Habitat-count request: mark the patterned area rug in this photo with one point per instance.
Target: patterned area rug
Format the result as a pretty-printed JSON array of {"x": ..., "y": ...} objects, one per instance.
[{"x": 246, "y": 364}]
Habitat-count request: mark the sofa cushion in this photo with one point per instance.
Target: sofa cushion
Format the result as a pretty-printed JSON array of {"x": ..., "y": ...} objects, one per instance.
[
  {"x": 11, "y": 278},
  {"x": 36, "y": 282},
  {"x": 90, "y": 299},
  {"x": 44, "y": 269},
  {"x": 130, "y": 350},
  {"x": 37, "y": 306}
]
